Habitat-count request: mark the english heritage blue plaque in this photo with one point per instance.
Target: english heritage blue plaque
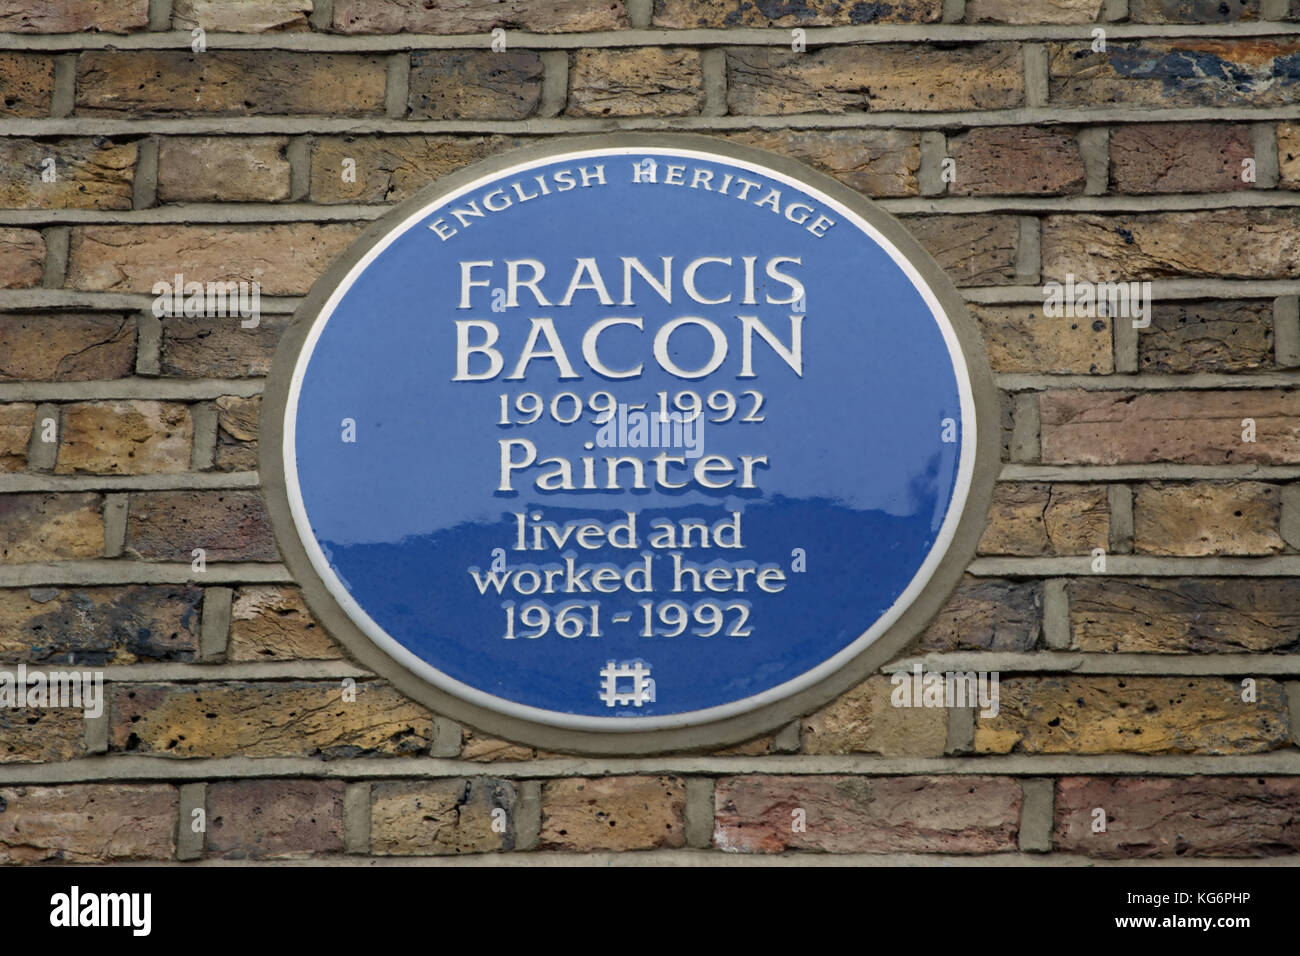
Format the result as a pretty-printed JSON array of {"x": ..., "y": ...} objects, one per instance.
[{"x": 635, "y": 435}]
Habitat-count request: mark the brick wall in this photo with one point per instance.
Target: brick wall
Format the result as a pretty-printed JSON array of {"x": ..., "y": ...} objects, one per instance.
[{"x": 1122, "y": 688}]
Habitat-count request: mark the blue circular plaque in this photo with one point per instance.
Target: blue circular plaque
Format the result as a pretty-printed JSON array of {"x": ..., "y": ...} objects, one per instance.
[{"x": 629, "y": 436}]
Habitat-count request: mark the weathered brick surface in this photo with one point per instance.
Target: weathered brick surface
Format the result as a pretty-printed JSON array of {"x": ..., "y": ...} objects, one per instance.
[
  {"x": 441, "y": 817},
  {"x": 973, "y": 250},
  {"x": 1171, "y": 73},
  {"x": 1288, "y": 155},
  {"x": 237, "y": 419},
  {"x": 875, "y": 162},
  {"x": 1179, "y": 157},
  {"x": 1231, "y": 336},
  {"x": 227, "y": 525},
  {"x": 474, "y": 84},
  {"x": 844, "y": 79},
  {"x": 27, "y": 80},
  {"x": 1172, "y": 245},
  {"x": 613, "y": 813},
  {"x": 100, "y": 625},
  {"x": 16, "y": 422},
  {"x": 22, "y": 258},
  {"x": 864, "y": 720},
  {"x": 868, "y": 814},
  {"x": 485, "y": 749},
  {"x": 1207, "y": 518},
  {"x": 390, "y": 168},
  {"x": 1192, "y": 11},
  {"x": 716, "y": 14},
  {"x": 1016, "y": 160},
  {"x": 274, "y": 819},
  {"x": 42, "y": 735},
  {"x": 50, "y": 527},
  {"x": 1150, "y": 715},
  {"x": 284, "y": 259},
  {"x": 1178, "y": 817},
  {"x": 472, "y": 16},
  {"x": 125, "y": 438},
  {"x": 223, "y": 169},
  {"x": 88, "y": 823},
  {"x": 987, "y": 614},
  {"x": 229, "y": 83},
  {"x": 242, "y": 16},
  {"x": 1203, "y": 427},
  {"x": 219, "y": 347},
  {"x": 754, "y": 747},
  {"x": 639, "y": 82},
  {"x": 270, "y": 622},
  {"x": 1021, "y": 338},
  {"x": 1033, "y": 518},
  {"x": 262, "y": 719},
  {"x": 45, "y": 347},
  {"x": 1041, "y": 11},
  {"x": 90, "y": 174},
  {"x": 73, "y": 16},
  {"x": 1185, "y": 615}
]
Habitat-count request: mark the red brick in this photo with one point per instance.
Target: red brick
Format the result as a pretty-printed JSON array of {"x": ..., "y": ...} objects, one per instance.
[
  {"x": 1179, "y": 157},
  {"x": 973, "y": 250},
  {"x": 1016, "y": 160},
  {"x": 227, "y": 525},
  {"x": 274, "y": 819},
  {"x": 470, "y": 16},
  {"x": 919, "y": 814},
  {"x": 1178, "y": 818},
  {"x": 1193, "y": 427}
]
